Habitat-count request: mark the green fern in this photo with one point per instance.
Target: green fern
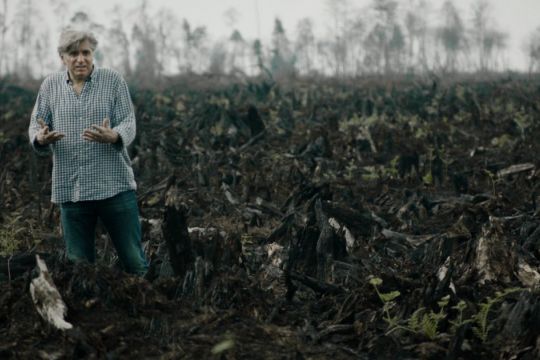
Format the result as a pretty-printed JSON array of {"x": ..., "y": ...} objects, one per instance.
[
  {"x": 388, "y": 303},
  {"x": 10, "y": 235},
  {"x": 459, "y": 322},
  {"x": 481, "y": 318},
  {"x": 414, "y": 322}
]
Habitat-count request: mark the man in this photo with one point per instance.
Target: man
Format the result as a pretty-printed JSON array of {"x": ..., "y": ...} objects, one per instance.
[{"x": 85, "y": 117}]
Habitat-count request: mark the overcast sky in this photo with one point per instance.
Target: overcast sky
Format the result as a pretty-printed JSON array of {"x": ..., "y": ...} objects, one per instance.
[{"x": 519, "y": 18}]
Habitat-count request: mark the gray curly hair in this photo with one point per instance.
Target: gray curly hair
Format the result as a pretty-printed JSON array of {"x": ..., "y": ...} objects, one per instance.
[{"x": 71, "y": 40}]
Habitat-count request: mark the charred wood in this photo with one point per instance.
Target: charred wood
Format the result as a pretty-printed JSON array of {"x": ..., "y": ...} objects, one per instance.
[{"x": 175, "y": 233}]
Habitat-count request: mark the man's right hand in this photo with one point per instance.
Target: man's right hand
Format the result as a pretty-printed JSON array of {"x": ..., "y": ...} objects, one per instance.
[{"x": 46, "y": 137}]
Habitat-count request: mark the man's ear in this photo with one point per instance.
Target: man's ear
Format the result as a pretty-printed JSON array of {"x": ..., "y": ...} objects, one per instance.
[{"x": 62, "y": 59}]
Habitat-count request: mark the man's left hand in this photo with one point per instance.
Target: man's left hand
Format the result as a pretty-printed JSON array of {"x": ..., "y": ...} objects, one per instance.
[{"x": 101, "y": 134}]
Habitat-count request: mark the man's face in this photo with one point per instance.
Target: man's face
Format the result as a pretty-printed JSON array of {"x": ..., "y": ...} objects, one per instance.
[{"x": 79, "y": 62}]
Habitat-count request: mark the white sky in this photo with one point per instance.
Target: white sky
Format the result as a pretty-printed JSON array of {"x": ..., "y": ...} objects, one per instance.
[{"x": 518, "y": 18}]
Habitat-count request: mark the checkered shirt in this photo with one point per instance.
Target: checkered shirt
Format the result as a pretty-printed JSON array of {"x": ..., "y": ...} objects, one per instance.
[{"x": 85, "y": 170}]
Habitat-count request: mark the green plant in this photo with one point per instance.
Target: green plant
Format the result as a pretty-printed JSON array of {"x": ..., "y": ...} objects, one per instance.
[
  {"x": 10, "y": 232},
  {"x": 421, "y": 321},
  {"x": 481, "y": 318},
  {"x": 388, "y": 302},
  {"x": 492, "y": 179},
  {"x": 427, "y": 323},
  {"x": 459, "y": 321}
]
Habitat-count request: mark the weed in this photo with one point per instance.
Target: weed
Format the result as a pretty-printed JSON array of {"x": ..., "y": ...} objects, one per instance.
[
  {"x": 481, "y": 318},
  {"x": 10, "y": 233},
  {"x": 388, "y": 302}
]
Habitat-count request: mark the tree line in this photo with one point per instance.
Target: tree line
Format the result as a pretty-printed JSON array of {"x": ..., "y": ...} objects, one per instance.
[{"x": 384, "y": 37}]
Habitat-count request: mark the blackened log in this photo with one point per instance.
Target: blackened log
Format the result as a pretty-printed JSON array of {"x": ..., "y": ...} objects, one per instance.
[
  {"x": 318, "y": 286},
  {"x": 522, "y": 319},
  {"x": 175, "y": 233},
  {"x": 254, "y": 121},
  {"x": 325, "y": 242}
]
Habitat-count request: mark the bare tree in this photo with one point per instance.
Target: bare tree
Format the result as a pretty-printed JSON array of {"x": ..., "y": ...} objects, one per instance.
[
  {"x": 339, "y": 12},
  {"x": 3, "y": 31},
  {"x": 487, "y": 40},
  {"x": 355, "y": 48},
  {"x": 305, "y": 45},
  {"x": 533, "y": 51},
  {"x": 147, "y": 65},
  {"x": 218, "y": 54},
  {"x": 451, "y": 35},
  {"x": 166, "y": 39},
  {"x": 258, "y": 55},
  {"x": 282, "y": 61},
  {"x": 237, "y": 53},
  {"x": 116, "y": 44},
  {"x": 193, "y": 49},
  {"x": 386, "y": 37},
  {"x": 26, "y": 16},
  {"x": 417, "y": 32}
]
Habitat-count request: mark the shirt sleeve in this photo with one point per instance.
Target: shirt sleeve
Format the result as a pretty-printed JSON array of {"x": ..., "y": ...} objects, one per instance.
[
  {"x": 123, "y": 120},
  {"x": 41, "y": 110}
]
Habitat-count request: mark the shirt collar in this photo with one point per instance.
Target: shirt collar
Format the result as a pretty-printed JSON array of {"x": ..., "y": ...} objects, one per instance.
[{"x": 90, "y": 77}]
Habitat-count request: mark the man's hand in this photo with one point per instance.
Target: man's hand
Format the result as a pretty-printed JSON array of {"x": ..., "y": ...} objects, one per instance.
[
  {"x": 46, "y": 137},
  {"x": 101, "y": 134}
]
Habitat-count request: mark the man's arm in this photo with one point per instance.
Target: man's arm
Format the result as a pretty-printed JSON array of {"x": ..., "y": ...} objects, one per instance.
[
  {"x": 41, "y": 112},
  {"x": 123, "y": 117}
]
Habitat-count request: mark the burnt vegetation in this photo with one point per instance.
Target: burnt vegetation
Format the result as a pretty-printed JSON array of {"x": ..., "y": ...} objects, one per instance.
[{"x": 374, "y": 219}]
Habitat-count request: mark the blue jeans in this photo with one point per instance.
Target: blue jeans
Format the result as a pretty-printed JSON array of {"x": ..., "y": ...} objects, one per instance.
[{"x": 120, "y": 215}]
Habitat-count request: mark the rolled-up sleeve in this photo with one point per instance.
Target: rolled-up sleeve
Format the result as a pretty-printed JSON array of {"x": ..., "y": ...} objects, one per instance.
[
  {"x": 123, "y": 121},
  {"x": 41, "y": 111}
]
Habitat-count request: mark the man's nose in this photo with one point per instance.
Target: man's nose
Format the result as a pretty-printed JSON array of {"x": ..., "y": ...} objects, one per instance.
[{"x": 80, "y": 57}]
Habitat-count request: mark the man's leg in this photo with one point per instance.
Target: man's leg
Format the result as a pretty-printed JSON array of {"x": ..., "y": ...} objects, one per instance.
[
  {"x": 120, "y": 215},
  {"x": 79, "y": 227}
]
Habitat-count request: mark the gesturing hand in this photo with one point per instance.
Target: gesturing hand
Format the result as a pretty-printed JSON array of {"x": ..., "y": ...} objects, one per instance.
[
  {"x": 101, "y": 134},
  {"x": 46, "y": 137}
]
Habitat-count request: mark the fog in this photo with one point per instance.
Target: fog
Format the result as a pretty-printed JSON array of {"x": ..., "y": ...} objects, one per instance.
[{"x": 284, "y": 37}]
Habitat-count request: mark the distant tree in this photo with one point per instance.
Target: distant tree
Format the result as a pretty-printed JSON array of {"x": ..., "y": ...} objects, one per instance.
[
  {"x": 166, "y": 38},
  {"x": 116, "y": 46},
  {"x": 194, "y": 41},
  {"x": 487, "y": 40},
  {"x": 339, "y": 11},
  {"x": 282, "y": 61},
  {"x": 3, "y": 31},
  {"x": 452, "y": 36},
  {"x": 26, "y": 18},
  {"x": 258, "y": 55},
  {"x": 237, "y": 52},
  {"x": 385, "y": 41},
  {"x": 147, "y": 65},
  {"x": 375, "y": 44},
  {"x": 533, "y": 51},
  {"x": 396, "y": 47},
  {"x": 355, "y": 48},
  {"x": 42, "y": 48},
  {"x": 305, "y": 45},
  {"x": 417, "y": 35},
  {"x": 218, "y": 54}
]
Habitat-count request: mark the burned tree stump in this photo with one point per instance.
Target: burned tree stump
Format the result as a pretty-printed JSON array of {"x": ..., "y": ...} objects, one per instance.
[{"x": 175, "y": 233}]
